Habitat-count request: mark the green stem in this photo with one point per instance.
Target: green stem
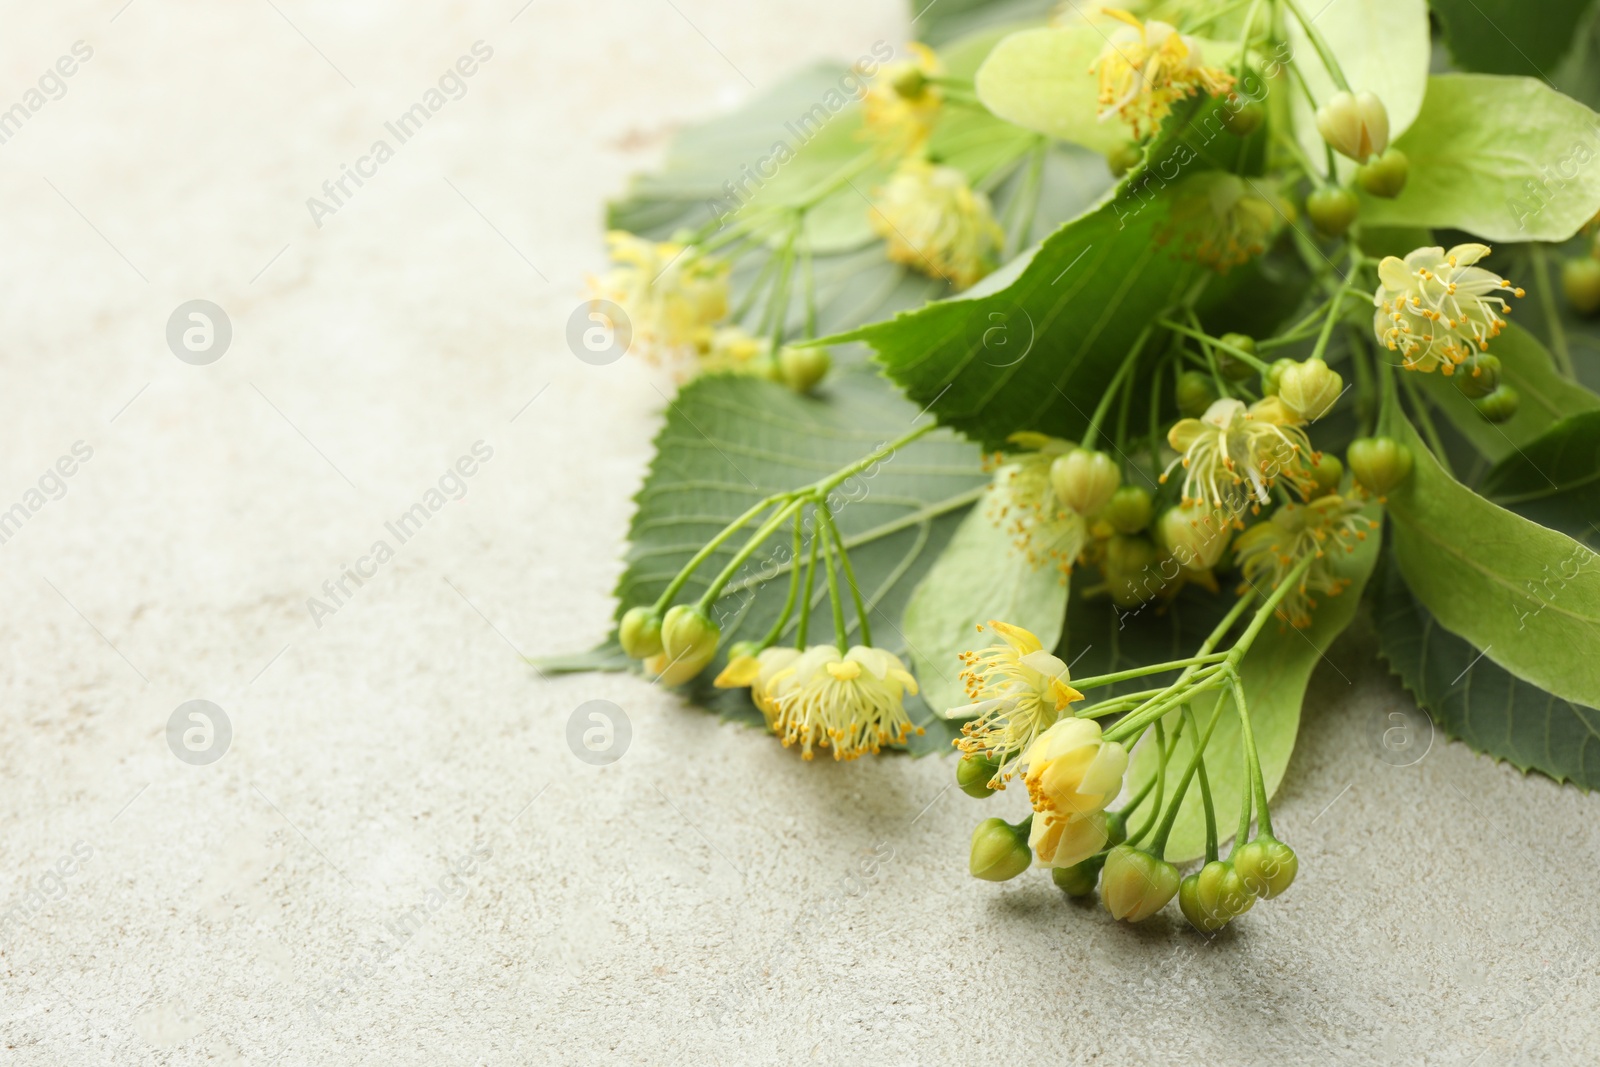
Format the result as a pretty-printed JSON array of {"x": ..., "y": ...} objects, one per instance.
[
  {"x": 1419, "y": 406},
  {"x": 1157, "y": 707},
  {"x": 1552, "y": 317},
  {"x": 1205, "y": 793},
  {"x": 756, "y": 540},
  {"x": 1161, "y": 780},
  {"x": 1154, "y": 668},
  {"x": 1093, "y": 432},
  {"x": 711, "y": 546},
  {"x": 1323, "y": 51},
  {"x": 794, "y": 585},
  {"x": 1206, "y": 339},
  {"x": 839, "y": 638},
  {"x": 1263, "y": 613},
  {"x": 1159, "y": 845},
  {"x": 805, "y": 601},
  {"x": 1257, "y": 781},
  {"x": 849, "y": 573}
]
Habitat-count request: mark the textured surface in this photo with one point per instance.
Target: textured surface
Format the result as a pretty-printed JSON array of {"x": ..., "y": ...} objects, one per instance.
[{"x": 706, "y": 898}]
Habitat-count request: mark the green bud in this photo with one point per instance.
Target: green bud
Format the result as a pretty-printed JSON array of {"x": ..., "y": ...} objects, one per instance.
[
  {"x": 743, "y": 648},
  {"x": 802, "y": 368},
  {"x": 1124, "y": 158},
  {"x": 999, "y": 851},
  {"x": 1130, "y": 570},
  {"x": 688, "y": 642},
  {"x": 1272, "y": 378},
  {"x": 1354, "y": 124},
  {"x": 973, "y": 774},
  {"x": 1135, "y": 885},
  {"x": 1231, "y": 366},
  {"x": 1244, "y": 120},
  {"x": 1129, "y": 509},
  {"x": 1332, "y": 210},
  {"x": 1385, "y": 176},
  {"x": 1084, "y": 480},
  {"x": 1079, "y": 879},
  {"x": 1196, "y": 392},
  {"x": 1379, "y": 463},
  {"x": 1499, "y": 405},
  {"x": 1478, "y": 376},
  {"x": 640, "y": 633},
  {"x": 1328, "y": 472},
  {"x": 1116, "y": 828},
  {"x": 1195, "y": 534},
  {"x": 1189, "y": 904},
  {"x": 1580, "y": 279},
  {"x": 910, "y": 82},
  {"x": 1310, "y": 388},
  {"x": 1221, "y": 892},
  {"x": 1266, "y": 865}
]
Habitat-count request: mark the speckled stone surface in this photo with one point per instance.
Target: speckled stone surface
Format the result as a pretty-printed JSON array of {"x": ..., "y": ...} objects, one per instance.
[{"x": 398, "y": 859}]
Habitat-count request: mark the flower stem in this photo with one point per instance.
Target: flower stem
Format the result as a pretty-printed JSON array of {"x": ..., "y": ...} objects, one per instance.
[
  {"x": 849, "y": 573},
  {"x": 805, "y": 600},
  {"x": 711, "y": 546},
  {"x": 756, "y": 540},
  {"x": 1323, "y": 51},
  {"x": 794, "y": 584},
  {"x": 1154, "y": 668},
  {"x": 839, "y": 637},
  {"x": 1205, "y": 794},
  {"x": 1159, "y": 845},
  {"x": 1252, "y": 757},
  {"x": 1552, "y": 317},
  {"x": 1206, "y": 339},
  {"x": 1093, "y": 432}
]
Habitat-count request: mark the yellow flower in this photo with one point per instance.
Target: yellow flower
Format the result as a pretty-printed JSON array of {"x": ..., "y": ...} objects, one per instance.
[
  {"x": 1220, "y": 221},
  {"x": 1072, "y": 774},
  {"x": 737, "y": 351},
  {"x": 1145, "y": 68},
  {"x": 1233, "y": 454},
  {"x": 900, "y": 106},
  {"x": 756, "y": 672},
  {"x": 935, "y": 222},
  {"x": 853, "y": 703},
  {"x": 1435, "y": 307},
  {"x": 1268, "y": 551},
  {"x": 1024, "y": 503},
  {"x": 671, "y": 293},
  {"x": 1019, "y": 691}
]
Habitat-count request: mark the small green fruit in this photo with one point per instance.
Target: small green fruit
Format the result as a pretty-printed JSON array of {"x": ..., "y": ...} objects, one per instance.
[
  {"x": 1079, "y": 879},
  {"x": 1379, "y": 463},
  {"x": 1328, "y": 472},
  {"x": 1580, "y": 279},
  {"x": 1272, "y": 378},
  {"x": 1243, "y": 120},
  {"x": 640, "y": 633},
  {"x": 973, "y": 774},
  {"x": 1231, "y": 366},
  {"x": 1129, "y": 510},
  {"x": 1196, "y": 392},
  {"x": 1386, "y": 175},
  {"x": 1332, "y": 210},
  {"x": 999, "y": 851},
  {"x": 1135, "y": 885},
  {"x": 1478, "y": 376},
  {"x": 1189, "y": 904},
  {"x": 1266, "y": 865},
  {"x": 802, "y": 368},
  {"x": 1499, "y": 405}
]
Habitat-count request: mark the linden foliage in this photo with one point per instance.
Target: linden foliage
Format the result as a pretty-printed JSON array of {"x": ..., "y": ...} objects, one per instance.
[{"x": 1144, "y": 324}]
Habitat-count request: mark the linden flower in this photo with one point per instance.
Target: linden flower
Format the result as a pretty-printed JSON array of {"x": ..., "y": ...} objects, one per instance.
[
  {"x": 853, "y": 703},
  {"x": 736, "y": 350},
  {"x": 1019, "y": 689},
  {"x": 1233, "y": 454},
  {"x": 1145, "y": 68},
  {"x": 1220, "y": 221},
  {"x": 1268, "y": 551},
  {"x": 1435, "y": 307},
  {"x": 1024, "y": 503},
  {"x": 1072, "y": 774},
  {"x": 672, "y": 293},
  {"x": 900, "y": 106},
  {"x": 756, "y": 672},
  {"x": 937, "y": 223}
]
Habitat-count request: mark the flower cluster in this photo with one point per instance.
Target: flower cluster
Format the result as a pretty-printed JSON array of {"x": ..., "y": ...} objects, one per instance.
[
  {"x": 1437, "y": 308},
  {"x": 1234, "y": 453},
  {"x": 1220, "y": 221},
  {"x": 1146, "y": 67},
  {"x": 1269, "y": 551},
  {"x": 1019, "y": 690},
  {"x": 673, "y": 293},
  {"x": 901, "y": 105},
  {"x": 1025, "y": 504},
  {"x": 935, "y": 222}
]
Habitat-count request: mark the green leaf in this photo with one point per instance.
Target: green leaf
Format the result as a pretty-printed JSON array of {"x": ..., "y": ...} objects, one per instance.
[
  {"x": 1040, "y": 79},
  {"x": 728, "y": 442},
  {"x": 1528, "y": 596},
  {"x": 1526, "y": 366},
  {"x": 1382, "y": 46},
  {"x": 1474, "y": 699},
  {"x": 1275, "y": 673},
  {"x": 1506, "y": 36},
  {"x": 1555, "y": 479},
  {"x": 1478, "y": 141},
  {"x": 979, "y": 576}
]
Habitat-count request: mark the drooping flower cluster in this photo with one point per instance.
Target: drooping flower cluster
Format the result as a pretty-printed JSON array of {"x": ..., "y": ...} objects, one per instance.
[
  {"x": 1072, "y": 773},
  {"x": 853, "y": 703},
  {"x": 672, "y": 294},
  {"x": 1233, "y": 454},
  {"x": 901, "y": 104},
  {"x": 935, "y": 222},
  {"x": 1268, "y": 551},
  {"x": 1220, "y": 221},
  {"x": 1019, "y": 690},
  {"x": 1437, "y": 308},
  {"x": 1025, "y": 504},
  {"x": 1146, "y": 67}
]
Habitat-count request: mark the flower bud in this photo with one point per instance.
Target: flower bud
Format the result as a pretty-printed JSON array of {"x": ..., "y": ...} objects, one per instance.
[
  {"x": 1079, "y": 879},
  {"x": 688, "y": 642},
  {"x": 1244, "y": 119},
  {"x": 1196, "y": 534},
  {"x": 1196, "y": 393},
  {"x": 1356, "y": 125},
  {"x": 1499, "y": 405},
  {"x": 1332, "y": 210},
  {"x": 1379, "y": 463},
  {"x": 999, "y": 851},
  {"x": 1129, "y": 509},
  {"x": 640, "y": 633},
  {"x": 1309, "y": 388},
  {"x": 1272, "y": 377},
  {"x": 908, "y": 80},
  {"x": 1189, "y": 904},
  {"x": 1478, "y": 376},
  {"x": 1135, "y": 885},
  {"x": 1124, "y": 158},
  {"x": 1231, "y": 366},
  {"x": 1132, "y": 576},
  {"x": 1385, "y": 176},
  {"x": 1580, "y": 280},
  {"x": 973, "y": 775},
  {"x": 1326, "y": 471},
  {"x": 1266, "y": 865},
  {"x": 802, "y": 368},
  {"x": 1221, "y": 892},
  {"x": 1084, "y": 480}
]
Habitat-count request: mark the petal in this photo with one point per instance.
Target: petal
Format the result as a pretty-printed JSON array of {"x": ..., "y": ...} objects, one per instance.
[
  {"x": 740, "y": 672},
  {"x": 971, "y": 711},
  {"x": 1104, "y": 776},
  {"x": 1023, "y": 641},
  {"x": 1467, "y": 254},
  {"x": 1046, "y": 664}
]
